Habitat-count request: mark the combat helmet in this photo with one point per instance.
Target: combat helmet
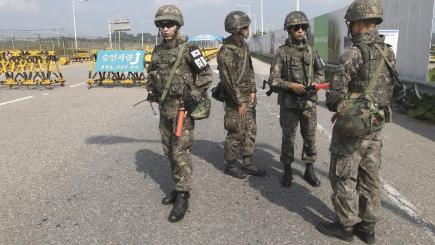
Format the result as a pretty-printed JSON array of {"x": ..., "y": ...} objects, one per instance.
[
  {"x": 235, "y": 21},
  {"x": 169, "y": 12},
  {"x": 364, "y": 10},
  {"x": 295, "y": 18}
]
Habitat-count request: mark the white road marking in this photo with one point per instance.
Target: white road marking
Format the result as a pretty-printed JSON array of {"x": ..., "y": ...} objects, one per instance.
[
  {"x": 12, "y": 101},
  {"x": 73, "y": 65},
  {"x": 407, "y": 207},
  {"x": 75, "y": 85},
  {"x": 277, "y": 169},
  {"x": 397, "y": 198}
]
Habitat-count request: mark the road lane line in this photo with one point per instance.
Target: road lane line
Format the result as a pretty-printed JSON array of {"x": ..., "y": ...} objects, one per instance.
[
  {"x": 398, "y": 199},
  {"x": 12, "y": 101},
  {"x": 75, "y": 85}
]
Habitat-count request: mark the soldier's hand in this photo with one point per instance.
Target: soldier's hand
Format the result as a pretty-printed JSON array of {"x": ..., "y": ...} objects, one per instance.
[
  {"x": 242, "y": 110},
  {"x": 334, "y": 117},
  {"x": 297, "y": 88},
  {"x": 253, "y": 97},
  {"x": 188, "y": 101}
]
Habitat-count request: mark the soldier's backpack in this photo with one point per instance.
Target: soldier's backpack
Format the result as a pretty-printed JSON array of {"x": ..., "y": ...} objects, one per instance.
[
  {"x": 200, "y": 110},
  {"x": 358, "y": 115}
]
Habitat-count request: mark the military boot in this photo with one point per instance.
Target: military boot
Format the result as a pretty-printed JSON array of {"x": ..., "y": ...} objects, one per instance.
[
  {"x": 365, "y": 231},
  {"x": 180, "y": 206},
  {"x": 336, "y": 230},
  {"x": 250, "y": 169},
  {"x": 170, "y": 199},
  {"x": 232, "y": 169},
  {"x": 287, "y": 178},
  {"x": 310, "y": 177}
]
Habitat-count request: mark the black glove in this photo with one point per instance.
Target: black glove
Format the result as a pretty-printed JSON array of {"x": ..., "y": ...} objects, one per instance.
[
  {"x": 152, "y": 97},
  {"x": 188, "y": 100}
]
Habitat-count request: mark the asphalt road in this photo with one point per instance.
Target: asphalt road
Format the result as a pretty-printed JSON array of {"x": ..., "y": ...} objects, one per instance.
[{"x": 80, "y": 166}]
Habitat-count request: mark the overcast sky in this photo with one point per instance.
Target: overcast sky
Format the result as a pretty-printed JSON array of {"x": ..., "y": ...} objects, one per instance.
[{"x": 201, "y": 16}]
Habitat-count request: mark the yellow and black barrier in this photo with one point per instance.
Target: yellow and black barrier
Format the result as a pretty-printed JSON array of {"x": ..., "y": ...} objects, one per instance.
[
  {"x": 81, "y": 55},
  {"x": 209, "y": 53},
  {"x": 30, "y": 68}
]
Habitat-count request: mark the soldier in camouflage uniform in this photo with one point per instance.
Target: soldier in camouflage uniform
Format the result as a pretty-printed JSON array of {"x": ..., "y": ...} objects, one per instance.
[
  {"x": 237, "y": 76},
  {"x": 355, "y": 161},
  {"x": 189, "y": 84},
  {"x": 296, "y": 65}
]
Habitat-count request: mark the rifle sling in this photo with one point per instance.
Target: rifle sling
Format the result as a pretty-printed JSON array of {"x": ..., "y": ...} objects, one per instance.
[{"x": 171, "y": 75}]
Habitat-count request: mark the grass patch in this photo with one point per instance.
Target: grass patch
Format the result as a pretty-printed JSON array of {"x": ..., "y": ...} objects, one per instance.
[
  {"x": 424, "y": 109},
  {"x": 431, "y": 75}
]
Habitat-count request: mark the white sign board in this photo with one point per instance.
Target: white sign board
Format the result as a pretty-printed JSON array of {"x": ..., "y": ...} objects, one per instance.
[
  {"x": 121, "y": 26},
  {"x": 391, "y": 37}
]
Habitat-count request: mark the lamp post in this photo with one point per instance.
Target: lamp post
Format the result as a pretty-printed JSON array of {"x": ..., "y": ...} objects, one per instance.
[
  {"x": 74, "y": 19},
  {"x": 142, "y": 24},
  {"x": 261, "y": 7},
  {"x": 254, "y": 20},
  {"x": 249, "y": 13}
]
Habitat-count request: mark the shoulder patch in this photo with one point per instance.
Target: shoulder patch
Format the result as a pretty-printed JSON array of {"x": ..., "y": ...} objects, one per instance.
[{"x": 198, "y": 62}]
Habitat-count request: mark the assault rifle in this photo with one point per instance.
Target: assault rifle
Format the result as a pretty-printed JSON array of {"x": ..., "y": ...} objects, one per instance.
[
  {"x": 309, "y": 88},
  {"x": 151, "y": 98}
]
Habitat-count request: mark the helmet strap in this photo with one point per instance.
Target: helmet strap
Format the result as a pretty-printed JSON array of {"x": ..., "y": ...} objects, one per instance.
[{"x": 349, "y": 28}]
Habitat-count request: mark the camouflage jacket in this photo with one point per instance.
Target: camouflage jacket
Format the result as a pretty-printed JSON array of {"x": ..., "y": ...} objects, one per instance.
[
  {"x": 356, "y": 69},
  {"x": 230, "y": 63},
  {"x": 193, "y": 76},
  {"x": 295, "y": 63}
]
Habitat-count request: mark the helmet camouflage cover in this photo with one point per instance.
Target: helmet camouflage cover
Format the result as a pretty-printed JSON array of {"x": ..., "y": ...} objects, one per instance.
[
  {"x": 169, "y": 12},
  {"x": 235, "y": 21},
  {"x": 295, "y": 18},
  {"x": 364, "y": 10}
]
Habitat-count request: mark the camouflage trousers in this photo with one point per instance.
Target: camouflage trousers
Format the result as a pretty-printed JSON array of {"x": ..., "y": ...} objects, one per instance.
[
  {"x": 289, "y": 120},
  {"x": 178, "y": 150},
  {"x": 241, "y": 133},
  {"x": 354, "y": 177}
]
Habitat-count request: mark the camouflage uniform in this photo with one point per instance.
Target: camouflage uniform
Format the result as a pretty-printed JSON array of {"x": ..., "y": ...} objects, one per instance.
[
  {"x": 355, "y": 161},
  {"x": 191, "y": 78},
  {"x": 241, "y": 131},
  {"x": 231, "y": 58},
  {"x": 294, "y": 62}
]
